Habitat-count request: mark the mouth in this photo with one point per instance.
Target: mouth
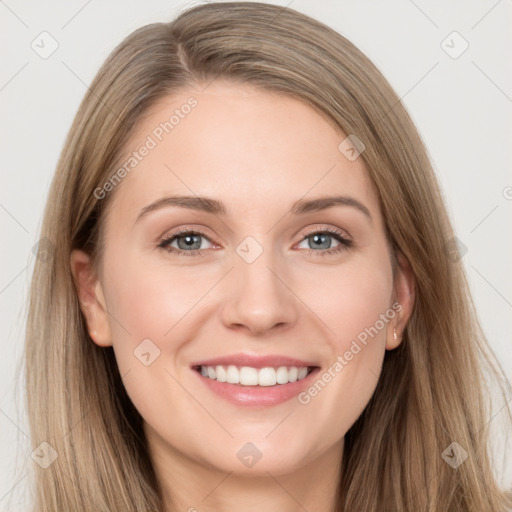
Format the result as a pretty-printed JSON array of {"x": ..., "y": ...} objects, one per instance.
[
  {"x": 255, "y": 380},
  {"x": 267, "y": 376},
  {"x": 256, "y": 388}
]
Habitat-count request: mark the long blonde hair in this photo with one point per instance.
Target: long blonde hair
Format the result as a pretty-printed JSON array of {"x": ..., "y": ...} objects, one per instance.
[{"x": 432, "y": 388}]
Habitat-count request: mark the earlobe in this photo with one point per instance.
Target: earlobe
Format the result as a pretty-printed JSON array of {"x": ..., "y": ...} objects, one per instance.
[
  {"x": 394, "y": 339},
  {"x": 91, "y": 298},
  {"x": 404, "y": 300}
]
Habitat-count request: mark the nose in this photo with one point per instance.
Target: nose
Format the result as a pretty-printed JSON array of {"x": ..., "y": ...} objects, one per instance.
[{"x": 258, "y": 297}]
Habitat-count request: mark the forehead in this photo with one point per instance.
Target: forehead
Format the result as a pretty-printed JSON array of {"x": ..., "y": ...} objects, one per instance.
[{"x": 254, "y": 149}]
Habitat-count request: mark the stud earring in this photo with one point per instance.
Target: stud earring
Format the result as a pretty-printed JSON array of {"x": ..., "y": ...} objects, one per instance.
[{"x": 394, "y": 334}]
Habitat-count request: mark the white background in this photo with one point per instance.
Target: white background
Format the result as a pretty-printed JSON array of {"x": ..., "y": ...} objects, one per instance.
[{"x": 462, "y": 108}]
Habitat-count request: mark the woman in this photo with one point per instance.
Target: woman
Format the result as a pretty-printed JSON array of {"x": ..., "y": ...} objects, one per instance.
[{"x": 250, "y": 299}]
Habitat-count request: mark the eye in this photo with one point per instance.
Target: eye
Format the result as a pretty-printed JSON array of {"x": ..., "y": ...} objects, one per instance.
[
  {"x": 321, "y": 241},
  {"x": 187, "y": 242},
  {"x": 184, "y": 242}
]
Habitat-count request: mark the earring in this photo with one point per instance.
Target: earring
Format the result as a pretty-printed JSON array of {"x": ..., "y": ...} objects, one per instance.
[{"x": 394, "y": 334}]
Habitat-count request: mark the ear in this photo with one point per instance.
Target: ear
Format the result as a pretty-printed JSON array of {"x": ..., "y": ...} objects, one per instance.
[
  {"x": 404, "y": 295},
  {"x": 91, "y": 297}
]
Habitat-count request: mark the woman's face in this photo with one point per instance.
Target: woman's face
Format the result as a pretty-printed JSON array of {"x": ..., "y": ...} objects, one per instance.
[{"x": 256, "y": 268}]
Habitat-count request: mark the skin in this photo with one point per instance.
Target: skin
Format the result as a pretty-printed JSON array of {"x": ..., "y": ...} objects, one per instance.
[{"x": 257, "y": 152}]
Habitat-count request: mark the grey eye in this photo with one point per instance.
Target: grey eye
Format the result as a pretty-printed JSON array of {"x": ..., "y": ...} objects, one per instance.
[
  {"x": 189, "y": 241},
  {"x": 319, "y": 241}
]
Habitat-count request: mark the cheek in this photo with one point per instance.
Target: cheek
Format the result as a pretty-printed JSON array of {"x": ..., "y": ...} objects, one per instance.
[
  {"x": 356, "y": 305},
  {"x": 351, "y": 300},
  {"x": 148, "y": 300},
  {"x": 151, "y": 317}
]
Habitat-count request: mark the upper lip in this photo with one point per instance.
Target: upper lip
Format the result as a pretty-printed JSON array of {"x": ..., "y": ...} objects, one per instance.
[{"x": 254, "y": 361}]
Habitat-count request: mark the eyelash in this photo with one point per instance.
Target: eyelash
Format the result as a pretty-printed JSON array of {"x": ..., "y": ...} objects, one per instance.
[{"x": 345, "y": 243}]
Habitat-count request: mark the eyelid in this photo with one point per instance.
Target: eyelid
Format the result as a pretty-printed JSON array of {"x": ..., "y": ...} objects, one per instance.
[{"x": 327, "y": 229}]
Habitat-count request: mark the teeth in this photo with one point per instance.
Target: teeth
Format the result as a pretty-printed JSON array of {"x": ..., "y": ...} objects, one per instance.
[
  {"x": 232, "y": 375},
  {"x": 247, "y": 376},
  {"x": 221, "y": 374}
]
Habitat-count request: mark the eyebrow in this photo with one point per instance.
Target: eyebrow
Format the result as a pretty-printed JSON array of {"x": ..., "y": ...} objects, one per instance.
[{"x": 216, "y": 207}]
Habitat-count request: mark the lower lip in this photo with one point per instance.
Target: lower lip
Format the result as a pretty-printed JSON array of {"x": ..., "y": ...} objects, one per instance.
[{"x": 258, "y": 396}]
